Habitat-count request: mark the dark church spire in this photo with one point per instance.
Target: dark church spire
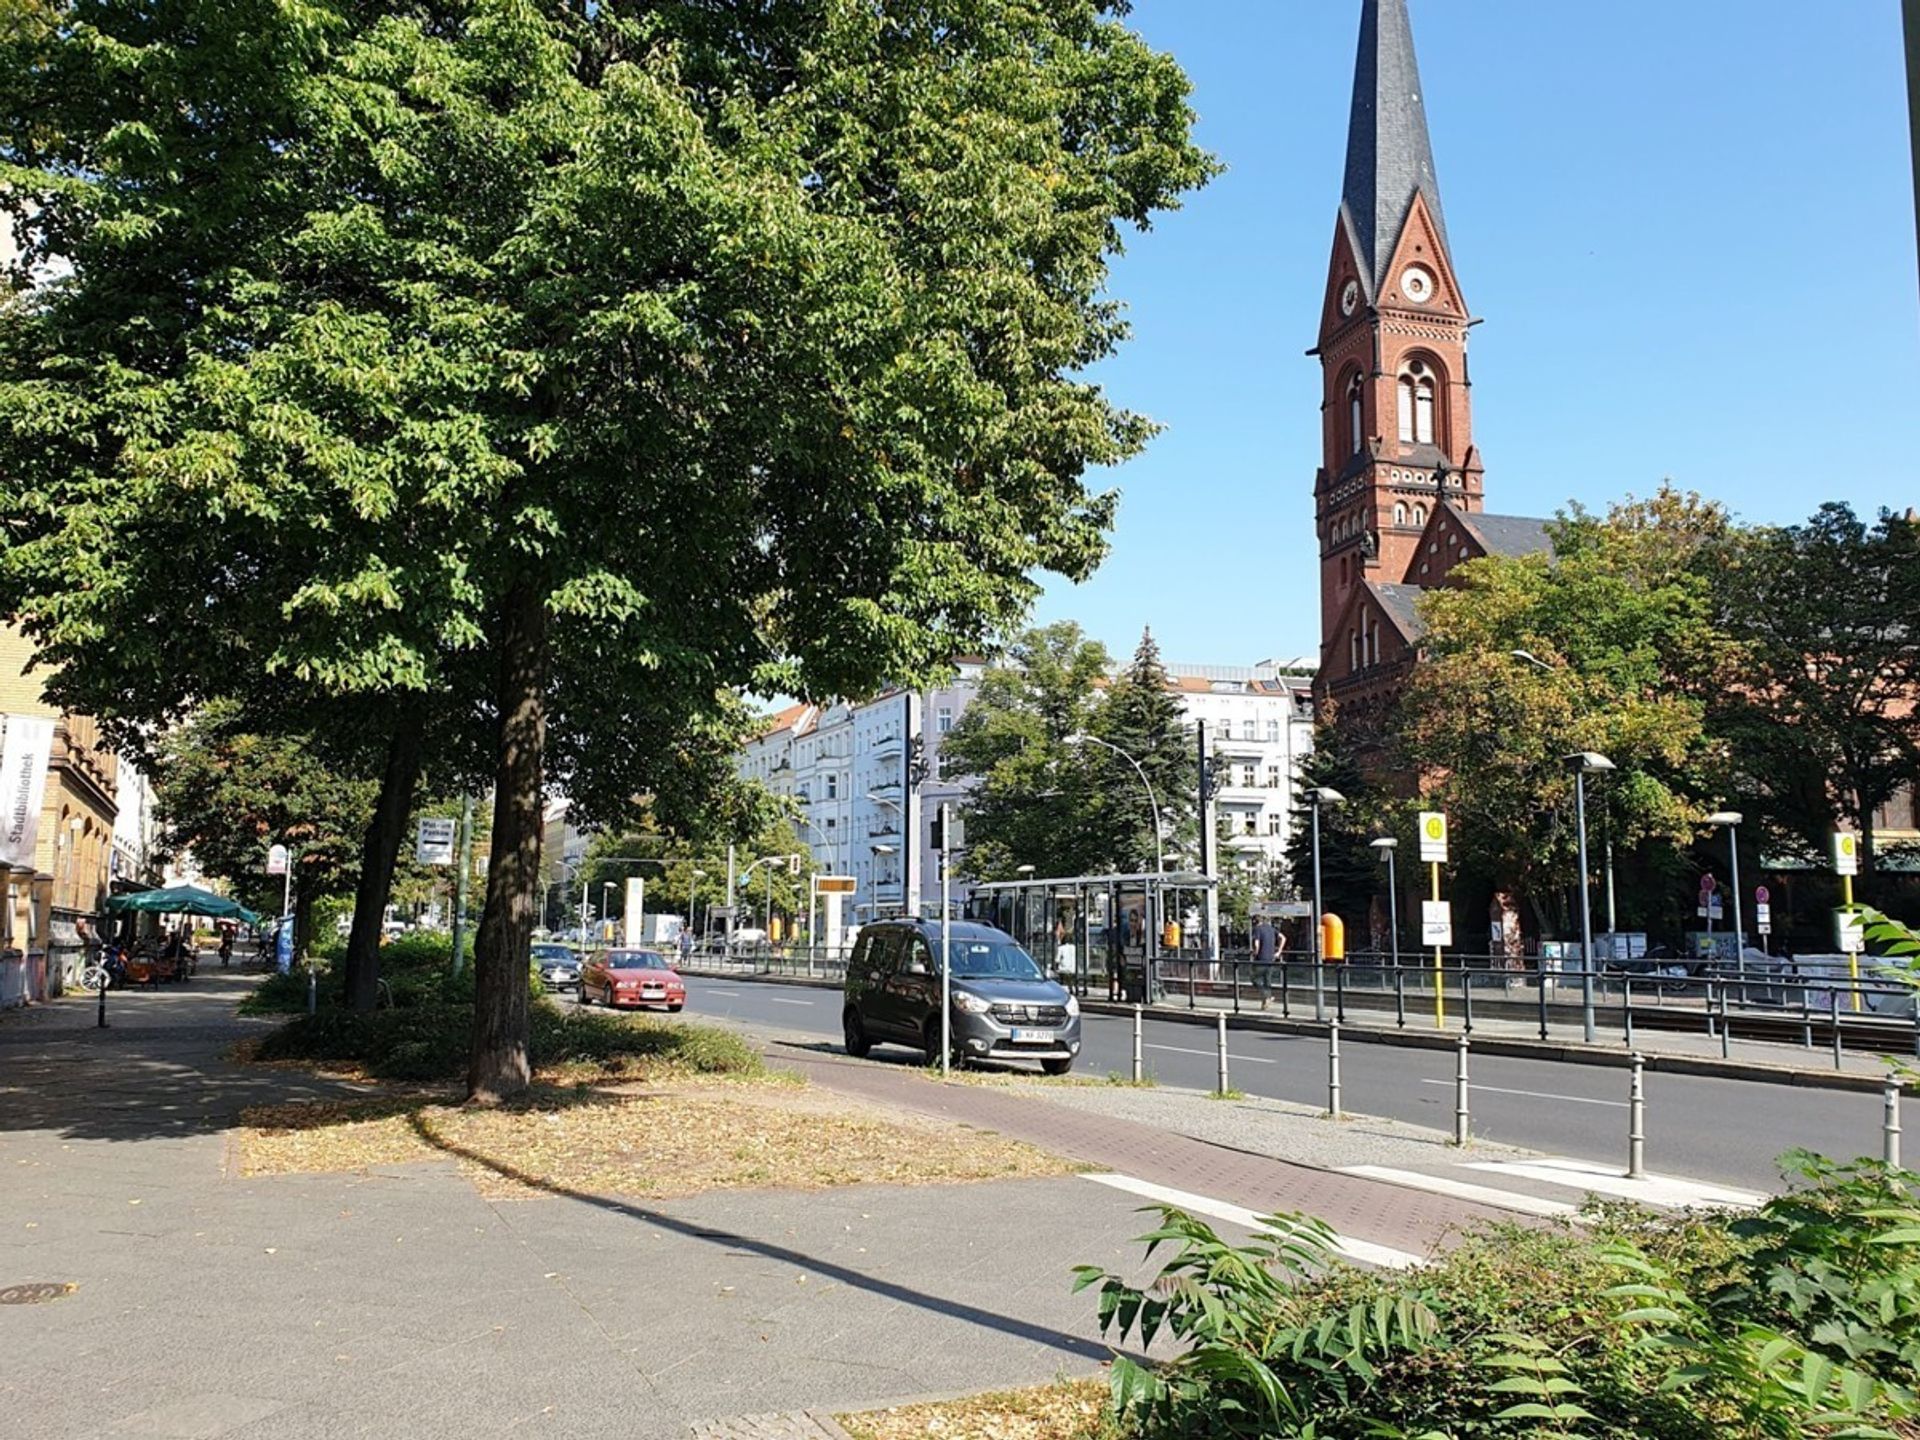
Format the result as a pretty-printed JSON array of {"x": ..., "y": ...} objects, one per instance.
[{"x": 1389, "y": 156}]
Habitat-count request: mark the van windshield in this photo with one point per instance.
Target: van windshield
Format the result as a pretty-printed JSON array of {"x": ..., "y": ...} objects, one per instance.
[{"x": 992, "y": 960}]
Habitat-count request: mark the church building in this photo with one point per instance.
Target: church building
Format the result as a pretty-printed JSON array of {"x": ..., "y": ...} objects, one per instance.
[{"x": 1399, "y": 499}]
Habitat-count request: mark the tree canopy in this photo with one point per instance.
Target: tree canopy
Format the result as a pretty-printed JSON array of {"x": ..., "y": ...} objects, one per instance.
[{"x": 569, "y": 363}]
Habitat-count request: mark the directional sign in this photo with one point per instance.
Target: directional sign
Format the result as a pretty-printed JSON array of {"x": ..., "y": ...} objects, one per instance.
[
  {"x": 435, "y": 843},
  {"x": 1846, "y": 853},
  {"x": 277, "y": 860},
  {"x": 1433, "y": 838},
  {"x": 1436, "y": 921}
]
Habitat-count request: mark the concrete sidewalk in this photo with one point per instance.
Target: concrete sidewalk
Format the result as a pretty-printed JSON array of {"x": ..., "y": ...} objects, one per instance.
[{"x": 402, "y": 1302}]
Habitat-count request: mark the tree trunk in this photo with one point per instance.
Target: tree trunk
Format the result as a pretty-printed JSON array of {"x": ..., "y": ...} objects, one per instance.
[
  {"x": 501, "y": 995},
  {"x": 303, "y": 901},
  {"x": 379, "y": 854}
]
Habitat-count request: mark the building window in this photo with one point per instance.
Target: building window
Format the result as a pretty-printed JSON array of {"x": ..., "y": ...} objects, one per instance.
[
  {"x": 1273, "y": 777},
  {"x": 1420, "y": 517},
  {"x": 1416, "y": 391},
  {"x": 1273, "y": 732},
  {"x": 1399, "y": 514},
  {"x": 1353, "y": 649},
  {"x": 1356, "y": 414},
  {"x": 1273, "y": 824},
  {"x": 833, "y": 786},
  {"x": 1253, "y": 823},
  {"x": 945, "y": 722},
  {"x": 831, "y": 822},
  {"x": 1246, "y": 777},
  {"x": 1249, "y": 730},
  {"x": 1405, "y": 391}
]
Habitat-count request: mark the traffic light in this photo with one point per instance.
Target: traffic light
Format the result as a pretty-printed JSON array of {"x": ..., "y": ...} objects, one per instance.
[{"x": 939, "y": 828}]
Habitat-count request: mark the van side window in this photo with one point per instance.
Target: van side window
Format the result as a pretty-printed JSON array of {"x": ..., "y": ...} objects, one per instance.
[
  {"x": 862, "y": 953},
  {"x": 919, "y": 957},
  {"x": 884, "y": 958}
]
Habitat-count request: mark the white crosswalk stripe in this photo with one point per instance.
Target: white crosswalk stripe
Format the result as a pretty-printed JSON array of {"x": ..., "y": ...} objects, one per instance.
[
  {"x": 1667, "y": 1192},
  {"x": 1464, "y": 1190},
  {"x": 1364, "y": 1252}
]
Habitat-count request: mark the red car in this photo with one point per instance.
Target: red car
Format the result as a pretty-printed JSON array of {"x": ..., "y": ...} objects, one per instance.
[{"x": 632, "y": 977}]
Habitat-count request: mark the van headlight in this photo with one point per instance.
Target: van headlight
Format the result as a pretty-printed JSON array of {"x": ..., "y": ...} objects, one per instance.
[
  {"x": 1073, "y": 1004},
  {"x": 969, "y": 1003}
]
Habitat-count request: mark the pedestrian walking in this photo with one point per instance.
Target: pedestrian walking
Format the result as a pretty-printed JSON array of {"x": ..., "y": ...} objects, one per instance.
[{"x": 1268, "y": 943}]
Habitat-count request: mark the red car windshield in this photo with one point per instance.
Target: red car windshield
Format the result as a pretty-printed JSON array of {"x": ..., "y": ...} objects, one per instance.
[{"x": 636, "y": 960}]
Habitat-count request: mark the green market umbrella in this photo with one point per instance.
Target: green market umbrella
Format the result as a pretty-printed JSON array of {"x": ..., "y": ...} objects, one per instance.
[{"x": 183, "y": 900}]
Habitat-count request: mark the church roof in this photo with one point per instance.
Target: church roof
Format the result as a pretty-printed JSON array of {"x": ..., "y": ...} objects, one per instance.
[
  {"x": 1389, "y": 154},
  {"x": 1398, "y": 602},
  {"x": 1505, "y": 534}
]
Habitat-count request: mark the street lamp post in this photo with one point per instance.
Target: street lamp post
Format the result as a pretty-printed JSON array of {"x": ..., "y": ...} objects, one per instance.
[
  {"x": 1159, "y": 851},
  {"x": 605, "y": 886},
  {"x": 1386, "y": 845},
  {"x": 1319, "y": 795},
  {"x": 1583, "y": 762},
  {"x": 1731, "y": 819}
]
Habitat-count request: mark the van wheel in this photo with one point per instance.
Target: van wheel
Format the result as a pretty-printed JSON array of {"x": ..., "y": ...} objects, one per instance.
[
  {"x": 930, "y": 1042},
  {"x": 858, "y": 1045},
  {"x": 1056, "y": 1067}
]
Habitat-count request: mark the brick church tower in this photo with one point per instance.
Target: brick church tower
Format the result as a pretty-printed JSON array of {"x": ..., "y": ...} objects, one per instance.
[{"x": 1396, "y": 415}]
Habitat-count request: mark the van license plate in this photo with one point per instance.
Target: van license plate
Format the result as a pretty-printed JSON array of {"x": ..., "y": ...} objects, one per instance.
[{"x": 1033, "y": 1037}]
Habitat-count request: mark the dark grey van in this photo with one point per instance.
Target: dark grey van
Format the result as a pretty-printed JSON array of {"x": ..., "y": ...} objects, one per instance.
[{"x": 1004, "y": 1006}]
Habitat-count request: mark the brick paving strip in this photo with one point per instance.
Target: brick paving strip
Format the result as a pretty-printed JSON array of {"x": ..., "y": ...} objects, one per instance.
[{"x": 1353, "y": 1206}]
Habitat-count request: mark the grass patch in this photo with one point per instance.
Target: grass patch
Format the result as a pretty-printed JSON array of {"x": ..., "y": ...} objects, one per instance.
[
  {"x": 1226, "y": 1095},
  {"x": 428, "y": 1042},
  {"x": 1067, "y": 1410},
  {"x": 675, "y": 1139}
]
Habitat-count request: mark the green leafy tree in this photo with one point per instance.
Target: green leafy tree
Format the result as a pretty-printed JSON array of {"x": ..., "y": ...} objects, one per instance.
[
  {"x": 1035, "y": 799},
  {"x": 1623, "y": 624},
  {"x": 1821, "y": 717},
  {"x": 570, "y": 364},
  {"x": 227, "y": 795}
]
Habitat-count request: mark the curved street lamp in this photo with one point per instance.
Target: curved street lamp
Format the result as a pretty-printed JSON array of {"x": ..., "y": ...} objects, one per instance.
[
  {"x": 1584, "y": 763},
  {"x": 1384, "y": 847}
]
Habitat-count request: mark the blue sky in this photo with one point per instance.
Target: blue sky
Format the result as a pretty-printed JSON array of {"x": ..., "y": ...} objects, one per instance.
[{"x": 1688, "y": 227}]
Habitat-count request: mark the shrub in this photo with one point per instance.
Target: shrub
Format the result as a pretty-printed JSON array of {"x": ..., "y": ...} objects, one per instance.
[
  {"x": 1798, "y": 1320},
  {"x": 431, "y": 1041}
]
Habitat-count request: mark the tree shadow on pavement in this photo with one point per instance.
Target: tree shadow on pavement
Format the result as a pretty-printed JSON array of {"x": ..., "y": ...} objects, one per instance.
[{"x": 1074, "y": 1345}]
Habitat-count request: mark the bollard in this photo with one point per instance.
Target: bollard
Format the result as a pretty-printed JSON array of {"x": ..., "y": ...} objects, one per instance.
[
  {"x": 1340, "y": 993},
  {"x": 1466, "y": 994},
  {"x": 100, "y": 1021},
  {"x": 1138, "y": 1074},
  {"x": 1235, "y": 968},
  {"x": 1833, "y": 1019},
  {"x": 1806, "y": 1019},
  {"x": 1627, "y": 1007},
  {"x": 313, "y": 989},
  {"x": 1223, "y": 1086},
  {"x": 1637, "y": 1120},
  {"x": 1193, "y": 987},
  {"x": 1462, "y": 1117},
  {"x": 1542, "y": 977},
  {"x": 1286, "y": 993},
  {"x": 1709, "y": 1008},
  {"x": 1726, "y": 1025},
  {"x": 1890, "y": 1126},
  {"x": 1333, "y": 1070},
  {"x": 1400, "y": 998}
]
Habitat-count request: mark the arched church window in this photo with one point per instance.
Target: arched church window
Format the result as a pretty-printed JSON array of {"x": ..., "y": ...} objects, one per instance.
[
  {"x": 1417, "y": 390},
  {"x": 1399, "y": 514},
  {"x": 1420, "y": 517},
  {"x": 1356, "y": 414}
]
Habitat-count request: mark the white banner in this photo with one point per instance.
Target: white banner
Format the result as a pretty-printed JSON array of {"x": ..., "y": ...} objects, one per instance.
[{"x": 26, "y": 745}]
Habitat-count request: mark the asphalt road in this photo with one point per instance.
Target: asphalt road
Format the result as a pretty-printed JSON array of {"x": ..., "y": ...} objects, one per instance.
[{"x": 1725, "y": 1131}]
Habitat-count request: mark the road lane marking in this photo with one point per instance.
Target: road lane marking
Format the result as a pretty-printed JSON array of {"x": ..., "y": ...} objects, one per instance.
[
  {"x": 1211, "y": 1054},
  {"x": 1363, "y": 1251},
  {"x": 1461, "y": 1190},
  {"x": 1666, "y": 1191},
  {"x": 782, "y": 1000},
  {"x": 735, "y": 994},
  {"x": 1534, "y": 1094}
]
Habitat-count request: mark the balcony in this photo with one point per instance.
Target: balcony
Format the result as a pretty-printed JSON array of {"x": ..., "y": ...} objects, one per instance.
[{"x": 1224, "y": 745}]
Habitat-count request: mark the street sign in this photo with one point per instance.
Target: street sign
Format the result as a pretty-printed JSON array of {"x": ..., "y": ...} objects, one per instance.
[
  {"x": 1762, "y": 914},
  {"x": 1761, "y": 895},
  {"x": 435, "y": 843},
  {"x": 1708, "y": 883},
  {"x": 277, "y": 860},
  {"x": 1710, "y": 907},
  {"x": 1433, "y": 838},
  {"x": 1850, "y": 927},
  {"x": 1436, "y": 919},
  {"x": 1846, "y": 853}
]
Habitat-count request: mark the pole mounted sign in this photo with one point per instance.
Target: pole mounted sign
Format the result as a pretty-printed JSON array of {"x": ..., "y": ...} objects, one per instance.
[
  {"x": 1436, "y": 922},
  {"x": 1851, "y": 932},
  {"x": 1846, "y": 853},
  {"x": 435, "y": 843},
  {"x": 1433, "y": 837},
  {"x": 276, "y": 860}
]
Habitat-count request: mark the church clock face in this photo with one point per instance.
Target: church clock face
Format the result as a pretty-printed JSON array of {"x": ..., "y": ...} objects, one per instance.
[
  {"x": 1416, "y": 284},
  {"x": 1349, "y": 297}
]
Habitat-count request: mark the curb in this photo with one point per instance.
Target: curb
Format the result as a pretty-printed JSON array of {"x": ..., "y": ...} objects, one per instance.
[{"x": 1513, "y": 1047}]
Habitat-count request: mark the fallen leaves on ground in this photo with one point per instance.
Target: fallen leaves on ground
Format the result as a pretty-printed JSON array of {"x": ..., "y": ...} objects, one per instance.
[
  {"x": 655, "y": 1142},
  {"x": 1069, "y": 1410}
]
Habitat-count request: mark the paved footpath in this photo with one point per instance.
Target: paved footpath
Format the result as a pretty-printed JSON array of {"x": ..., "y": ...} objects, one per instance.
[{"x": 402, "y": 1303}]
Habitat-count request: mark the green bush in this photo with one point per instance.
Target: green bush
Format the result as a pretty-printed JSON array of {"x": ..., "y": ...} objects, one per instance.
[
  {"x": 431, "y": 1041},
  {"x": 1795, "y": 1321}
]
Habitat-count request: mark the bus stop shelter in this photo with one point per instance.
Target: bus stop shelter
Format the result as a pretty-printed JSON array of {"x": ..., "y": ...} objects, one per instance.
[{"x": 1101, "y": 932}]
